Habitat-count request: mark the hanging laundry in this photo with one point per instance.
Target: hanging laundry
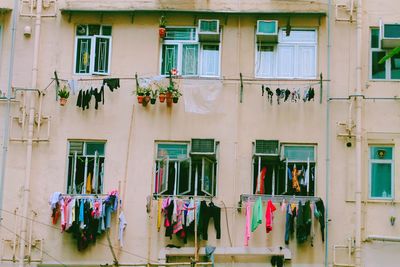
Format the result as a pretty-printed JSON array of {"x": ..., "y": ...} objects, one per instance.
[
  {"x": 261, "y": 181},
  {"x": 269, "y": 215},
  {"x": 206, "y": 213},
  {"x": 257, "y": 215},
  {"x": 277, "y": 261},
  {"x": 295, "y": 180},
  {"x": 55, "y": 206},
  {"x": 278, "y": 95},
  {"x": 247, "y": 229},
  {"x": 262, "y": 90},
  {"x": 159, "y": 208},
  {"x": 319, "y": 212},
  {"x": 112, "y": 83},
  {"x": 287, "y": 94},
  {"x": 289, "y": 227},
  {"x": 177, "y": 216},
  {"x": 210, "y": 254},
  {"x": 303, "y": 222},
  {"x": 89, "y": 184},
  {"x": 73, "y": 86},
  {"x": 270, "y": 94},
  {"x": 311, "y": 94},
  {"x": 122, "y": 225}
]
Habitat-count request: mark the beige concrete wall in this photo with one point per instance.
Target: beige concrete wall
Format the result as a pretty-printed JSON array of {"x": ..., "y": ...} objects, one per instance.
[{"x": 136, "y": 49}]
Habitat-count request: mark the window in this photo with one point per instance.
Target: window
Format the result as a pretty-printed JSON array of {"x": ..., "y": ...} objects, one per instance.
[
  {"x": 178, "y": 172},
  {"x": 389, "y": 70},
  {"x": 181, "y": 50},
  {"x": 381, "y": 172},
  {"x": 294, "y": 56},
  {"x": 85, "y": 167},
  {"x": 92, "y": 49},
  {"x": 292, "y": 172}
]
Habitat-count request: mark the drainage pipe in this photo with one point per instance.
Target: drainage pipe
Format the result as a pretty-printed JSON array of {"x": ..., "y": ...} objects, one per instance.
[
  {"x": 31, "y": 98},
  {"x": 8, "y": 107},
  {"x": 358, "y": 147}
]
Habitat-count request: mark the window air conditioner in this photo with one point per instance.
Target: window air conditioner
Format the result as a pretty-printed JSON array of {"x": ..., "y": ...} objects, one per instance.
[
  {"x": 209, "y": 30},
  {"x": 389, "y": 35},
  {"x": 203, "y": 147},
  {"x": 267, "y": 31},
  {"x": 267, "y": 148}
]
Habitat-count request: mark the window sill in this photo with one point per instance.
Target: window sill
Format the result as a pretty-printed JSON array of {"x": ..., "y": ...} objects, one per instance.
[{"x": 384, "y": 80}]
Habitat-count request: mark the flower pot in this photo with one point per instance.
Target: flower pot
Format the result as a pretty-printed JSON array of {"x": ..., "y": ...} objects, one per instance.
[
  {"x": 146, "y": 100},
  {"x": 169, "y": 99},
  {"x": 161, "y": 97},
  {"x": 175, "y": 99},
  {"x": 140, "y": 99},
  {"x": 161, "y": 32},
  {"x": 153, "y": 101},
  {"x": 63, "y": 101}
]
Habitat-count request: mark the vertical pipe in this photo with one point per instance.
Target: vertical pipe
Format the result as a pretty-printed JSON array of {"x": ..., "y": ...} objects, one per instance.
[
  {"x": 8, "y": 107},
  {"x": 358, "y": 147},
  {"x": 327, "y": 137},
  {"x": 31, "y": 96}
]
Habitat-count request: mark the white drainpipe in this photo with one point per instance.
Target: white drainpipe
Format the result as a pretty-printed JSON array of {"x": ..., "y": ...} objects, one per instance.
[
  {"x": 31, "y": 97},
  {"x": 358, "y": 148}
]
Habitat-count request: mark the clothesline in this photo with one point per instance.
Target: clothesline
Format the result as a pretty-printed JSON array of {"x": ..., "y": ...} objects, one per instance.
[{"x": 277, "y": 199}]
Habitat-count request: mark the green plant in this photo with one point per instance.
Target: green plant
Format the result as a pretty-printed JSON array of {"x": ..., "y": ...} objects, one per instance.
[
  {"x": 176, "y": 93},
  {"x": 147, "y": 91},
  {"x": 154, "y": 94},
  {"x": 63, "y": 93},
  {"x": 163, "y": 22},
  {"x": 391, "y": 54},
  {"x": 140, "y": 91}
]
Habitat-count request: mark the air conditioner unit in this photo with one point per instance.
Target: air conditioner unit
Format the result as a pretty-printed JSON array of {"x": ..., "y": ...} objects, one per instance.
[
  {"x": 267, "y": 148},
  {"x": 203, "y": 147},
  {"x": 267, "y": 31},
  {"x": 209, "y": 30},
  {"x": 389, "y": 35}
]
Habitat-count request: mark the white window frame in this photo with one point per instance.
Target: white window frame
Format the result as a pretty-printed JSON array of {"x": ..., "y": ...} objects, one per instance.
[
  {"x": 296, "y": 45},
  {"x": 196, "y": 41},
  {"x": 388, "y": 63},
  {"x": 92, "y": 56},
  {"x": 371, "y": 161},
  {"x": 73, "y": 166},
  {"x": 198, "y": 175}
]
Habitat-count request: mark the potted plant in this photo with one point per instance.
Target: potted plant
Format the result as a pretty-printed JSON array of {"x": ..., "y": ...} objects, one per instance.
[
  {"x": 146, "y": 99},
  {"x": 140, "y": 94},
  {"x": 153, "y": 98},
  {"x": 161, "y": 30},
  {"x": 161, "y": 93},
  {"x": 63, "y": 94},
  {"x": 175, "y": 96}
]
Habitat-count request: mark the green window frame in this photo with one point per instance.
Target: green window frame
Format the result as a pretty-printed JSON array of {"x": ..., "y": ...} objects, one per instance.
[{"x": 381, "y": 172}]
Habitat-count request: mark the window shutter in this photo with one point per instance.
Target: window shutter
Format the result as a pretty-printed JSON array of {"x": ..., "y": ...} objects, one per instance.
[
  {"x": 207, "y": 177},
  {"x": 189, "y": 59},
  {"x": 75, "y": 147},
  {"x": 169, "y": 58},
  {"x": 184, "y": 181},
  {"x": 203, "y": 146},
  {"x": 83, "y": 50},
  {"x": 102, "y": 54}
]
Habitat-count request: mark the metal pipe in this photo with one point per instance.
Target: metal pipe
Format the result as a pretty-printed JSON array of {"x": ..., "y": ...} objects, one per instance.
[
  {"x": 327, "y": 134},
  {"x": 31, "y": 96},
  {"x": 358, "y": 146},
  {"x": 8, "y": 108},
  {"x": 383, "y": 238}
]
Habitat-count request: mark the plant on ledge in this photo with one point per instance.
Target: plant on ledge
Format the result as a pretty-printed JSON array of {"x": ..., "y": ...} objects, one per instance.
[
  {"x": 161, "y": 30},
  {"x": 63, "y": 94},
  {"x": 140, "y": 94},
  {"x": 173, "y": 93}
]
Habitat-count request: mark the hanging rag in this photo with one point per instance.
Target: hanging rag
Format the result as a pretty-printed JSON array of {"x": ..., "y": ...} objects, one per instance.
[
  {"x": 319, "y": 212},
  {"x": 206, "y": 213},
  {"x": 289, "y": 224},
  {"x": 159, "y": 208},
  {"x": 112, "y": 83},
  {"x": 247, "y": 230},
  {"x": 269, "y": 216},
  {"x": 89, "y": 184},
  {"x": 177, "y": 216},
  {"x": 277, "y": 261},
  {"x": 73, "y": 86},
  {"x": 257, "y": 215},
  {"x": 210, "y": 254},
  {"x": 261, "y": 181},
  {"x": 122, "y": 226},
  {"x": 295, "y": 180}
]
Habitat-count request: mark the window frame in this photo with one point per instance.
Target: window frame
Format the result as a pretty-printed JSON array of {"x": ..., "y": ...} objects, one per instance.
[
  {"x": 388, "y": 63},
  {"x": 296, "y": 57},
  {"x": 93, "y": 52},
  {"x": 73, "y": 165},
  {"x": 384, "y": 161},
  {"x": 179, "y": 55},
  {"x": 197, "y": 185},
  {"x": 281, "y": 158}
]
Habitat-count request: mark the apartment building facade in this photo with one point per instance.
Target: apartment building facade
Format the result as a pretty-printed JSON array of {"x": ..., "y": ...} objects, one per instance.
[{"x": 281, "y": 100}]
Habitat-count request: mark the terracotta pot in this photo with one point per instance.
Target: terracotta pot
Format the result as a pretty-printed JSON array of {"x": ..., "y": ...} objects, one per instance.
[
  {"x": 146, "y": 100},
  {"x": 175, "y": 99},
  {"x": 169, "y": 99},
  {"x": 63, "y": 101},
  {"x": 140, "y": 99},
  {"x": 161, "y": 32},
  {"x": 162, "y": 98},
  {"x": 153, "y": 101}
]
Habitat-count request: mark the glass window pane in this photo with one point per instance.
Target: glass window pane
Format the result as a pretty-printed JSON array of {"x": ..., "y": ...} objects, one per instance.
[
  {"x": 299, "y": 36},
  {"x": 83, "y": 55},
  {"x": 265, "y": 60},
  {"x": 210, "y": 60},
  {"x": 395, "y": 67},
  {"x": 102, "y": 55},
  {"x": 91, "y": 148},
  {"x": 299, "y": 153},
  {"x": 378, "y": 70},
  {"x": 391, "y": 31},
  {"x": 208, "y": 26},
  {"x": 189, "y": 59},
  {"x": 94, "y": 30},
  {"x": 381, "y": 180},
  {"x": 379, "y": 152},
  {"x": 184, "y": 184},
  {"x": 187, "y": 34},
  {"x": 169, "y": 58},
  {"x": 106, "y": 30},
  {"x": 172, "y": 151},
  {"x": 375, "y": 38}
]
